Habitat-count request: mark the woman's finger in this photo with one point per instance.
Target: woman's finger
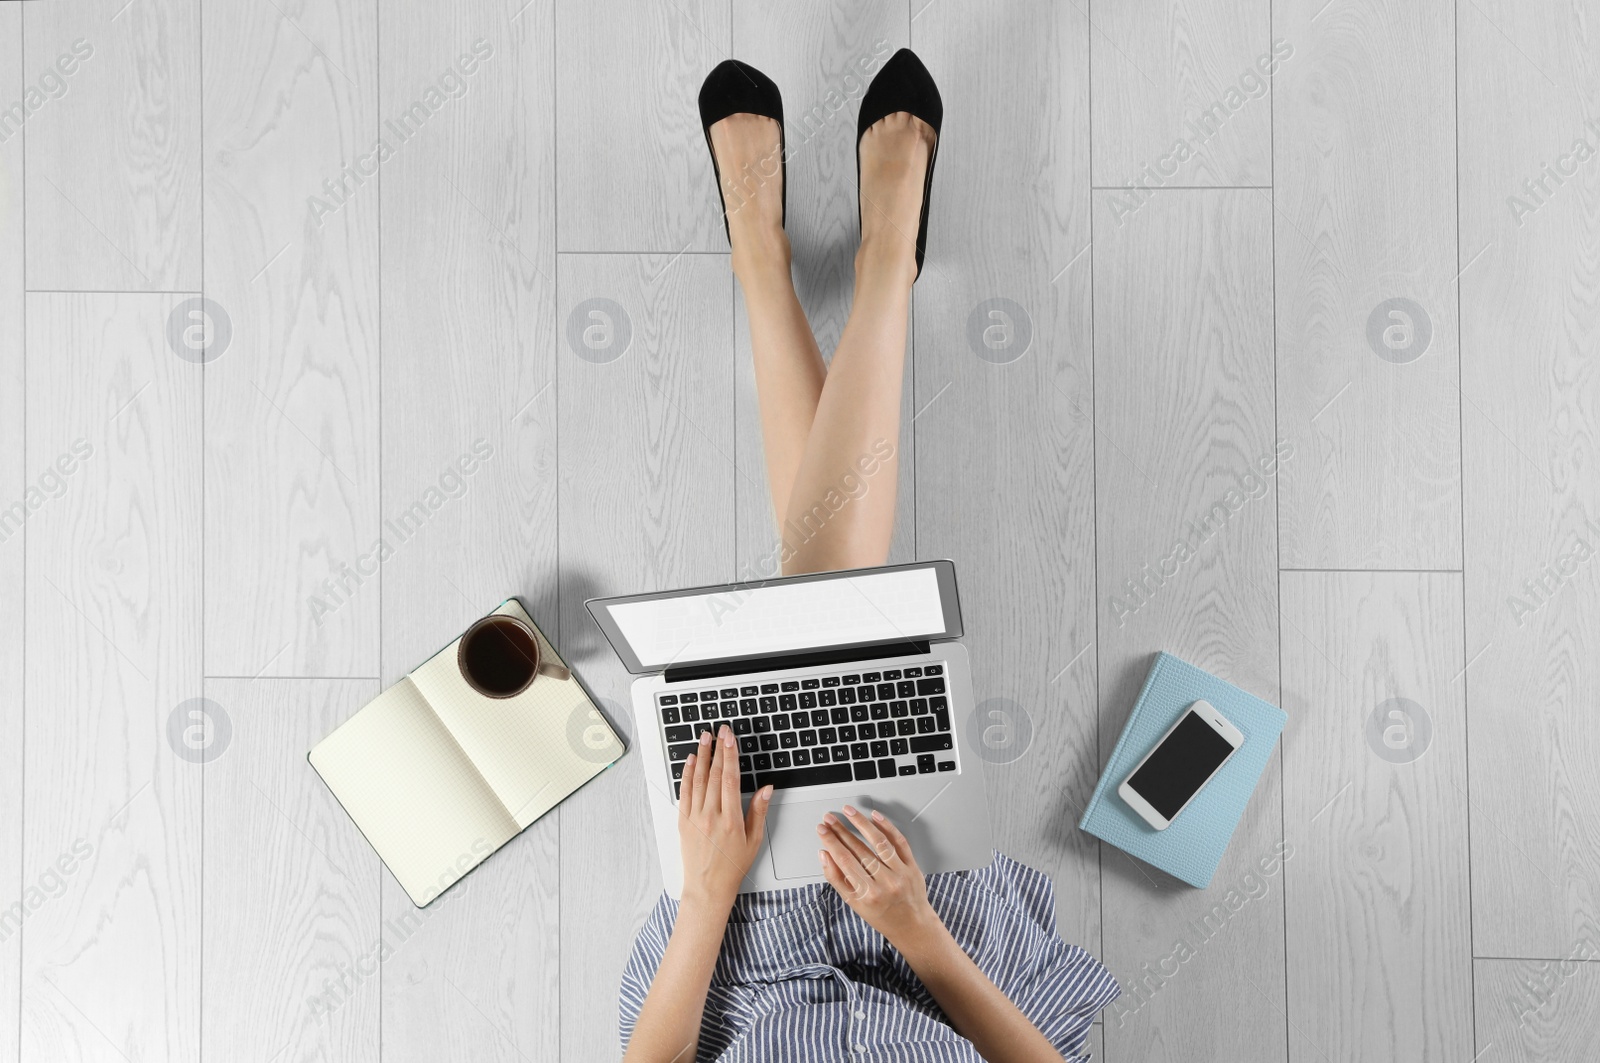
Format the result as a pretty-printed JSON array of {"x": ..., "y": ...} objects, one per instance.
[
  {"x": 755, "y": 821},
  {"x": 902, "y": 844},
  {"x": 711, "y": 800},
  {"x": 874, "y": 837},
  {"x": 854, "y": 874},
  {"x": 858, "y": 848},
  {"x": 835, "y": 877},
  {"x": 686, "y": 789},
  {"x": 728, "y": 753},
  {"x": 702, "y": 770}
]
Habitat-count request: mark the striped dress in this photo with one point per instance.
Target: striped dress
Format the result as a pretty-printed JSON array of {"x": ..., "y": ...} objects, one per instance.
[{"x": 802, "y": 977}]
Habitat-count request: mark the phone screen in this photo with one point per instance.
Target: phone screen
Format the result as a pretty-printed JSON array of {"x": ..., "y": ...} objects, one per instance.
[{"x": 1180, "y": 765}]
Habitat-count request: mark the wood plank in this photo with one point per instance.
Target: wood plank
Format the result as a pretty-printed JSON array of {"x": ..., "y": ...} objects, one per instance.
[
  {"x": 1197, "y": 73},
  {"x": 1002, "y": 456},
  {"x": 647, "y": 485},
  {"x": 15, "y": 477},
  {"x": 111, "y": 956},
  {"x": 824, "y": 60},
  {"x": 469, "y": 421},
  {"x": 1529, "y": 1011},
  {"x": 1530, "y": 400},
  {"x": 118, "y": 84},
  {"x": 292, "y": 421},
  {"x": 645, "y": 182},
  {"x": 1185, "y": 462},
  {"x": 294, "y": 942},
  {"x": 1378, "y": 480},
  {"x": 1376, "y": 896}
]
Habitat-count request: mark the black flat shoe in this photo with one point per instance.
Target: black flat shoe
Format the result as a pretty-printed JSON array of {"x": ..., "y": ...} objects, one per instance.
[
  {"x": 903, "y": 84},
  {"x": 739, "y": 88}
]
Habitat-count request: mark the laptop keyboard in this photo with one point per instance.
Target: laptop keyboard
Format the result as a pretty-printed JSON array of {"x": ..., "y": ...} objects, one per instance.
[{"x": 844, "y": 727}]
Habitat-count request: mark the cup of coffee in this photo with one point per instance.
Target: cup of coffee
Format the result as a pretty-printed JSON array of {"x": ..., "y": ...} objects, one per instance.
[{"x": 499, "y": 657}]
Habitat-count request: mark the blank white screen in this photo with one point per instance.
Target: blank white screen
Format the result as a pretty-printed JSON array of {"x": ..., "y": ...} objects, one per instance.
[{"x": 878, "y": 607}]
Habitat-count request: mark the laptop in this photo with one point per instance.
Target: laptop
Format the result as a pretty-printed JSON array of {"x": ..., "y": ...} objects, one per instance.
[{"x": 841, "y": 687}]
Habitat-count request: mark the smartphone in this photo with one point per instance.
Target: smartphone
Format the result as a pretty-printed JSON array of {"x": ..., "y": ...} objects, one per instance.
[{"x": 1169, "y": 776}]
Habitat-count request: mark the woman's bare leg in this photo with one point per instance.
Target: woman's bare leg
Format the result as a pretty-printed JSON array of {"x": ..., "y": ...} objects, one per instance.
[
  {"x": 789, "y": 368},
  {"x": 840, "y": 511}
]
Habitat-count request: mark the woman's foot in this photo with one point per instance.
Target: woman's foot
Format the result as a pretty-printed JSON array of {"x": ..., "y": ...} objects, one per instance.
[
  {"x": 894, "y": 167},
  {"x": 749, "y": 152}
]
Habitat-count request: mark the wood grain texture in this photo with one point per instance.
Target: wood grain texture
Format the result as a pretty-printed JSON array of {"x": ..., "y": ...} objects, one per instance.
[
  {"x": 823, "y": 59},
  {"x": 294, "y": 946},
  {"x": 469, "y": 424},
  {"x": 1530, "y": 1011},
  {"x": 292, "y": 404},
  {"x": 1187, "y": 556},
  {"x": 113, "y": 145},
  {"x": 1531, "y": 409},
  {"x": 647, "y": 444},
  {"x": 1005, "y": 468},
  {"x": 632, "y": 170},
  {"x": 1368, "y": 91},
  {"x": 14, "y": 481},
  {"x": 1185, "y": 71},
  {"x": 112, "y": 847},
  {"x": 1376, "y": 899}
]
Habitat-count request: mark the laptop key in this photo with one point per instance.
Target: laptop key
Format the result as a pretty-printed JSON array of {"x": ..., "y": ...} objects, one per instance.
[
  {"x": 810, "y": 684},
  {"x": 847, "y": 695},
  {"x": 682, "y": 752},
  {"x": 880, "y": 749},
  {"x": 847, "y": 733},
  {"x": 691, "y": 713},
  {"x": 943, "y": 718},
  {"x": 828, "y": 736},
  {"x": 669, "y": 699},
  {"x": 780, "y": 722},
  {"x": 808, "y": 699},
  {"x": 933, "y": 669},
  {"x": 930, "y": 686},
  {"x": 711, "y": 695},
  {"x": 808, "y": 738},
  {"x": 851, "y": 679},
  {"x": 747, "y": 692},
  {"x": 769, "y": 688},
  {"x": 919, "y": 706},
  {"x": 788, "y": 739},
  {"x": 730, "y": 692},
  {"x": 871, "y": 677},
  {"x": 865, "y": 769},
  {"x": 892, "y": 673},
  {"x": 730, "y": 709},
  {"x": 859, "y": 712},
  {"x": 769, "y": 704},
  {"x": 762, "y": 724},
  {"x": 819, "y": 718},
  {"x": 880, "y": 710},
  {"x": 838, "y": 714},
  {"x": 840, "y": 754},
  {"x": 926, "y": 725},
  {"x": 908, "y": 769},
  {"x": 769, "y": 742},
  {"x": 898, "y": 708},
  {"x": 898, "y": 747},
  {"x": 816, "y": 775},
  {"x": 913, "y": 673},
  {"x": 931, "y": 743},
  {"x": 867, "y": 730},
  {"x": 749, "y": 744},
  {"x": 787, "y": 703},
  {"x": 791, "y": 685},
  {"x": 947, "y": 765},
  {"x": 905, "y": 688},
  {"x": 802, "y": 758},
  {"x": 669, "y": 714},
  {"x": 905, "y": 727},
  {"x": 747, "y": 782},
  {"x": 677, "y": 770},
  {"x": 885, "y": 691},
  {"x": 830, "y": 681},
  {"x": 690, "y": 696},
  {"x": 858, "y": 751},
  {"x": 762, "y": 762},
  {"x": 820, "y": 755},
  {"x": 780, "y": 759},
  {"x": 925, "y": 764},
  {"x": 681, "y": 733},
  {"x": 826, "y": 698},
  {"x": 886, "y": 768},
  {"x": 747, "y": 707}
]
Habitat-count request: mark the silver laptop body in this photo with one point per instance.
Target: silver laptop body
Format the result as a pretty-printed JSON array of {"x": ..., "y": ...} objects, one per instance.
[{"x": 842, "y": 687}]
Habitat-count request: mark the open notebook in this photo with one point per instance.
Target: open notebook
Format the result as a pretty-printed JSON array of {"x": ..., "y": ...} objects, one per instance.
[{"x": 437, "y": 776}]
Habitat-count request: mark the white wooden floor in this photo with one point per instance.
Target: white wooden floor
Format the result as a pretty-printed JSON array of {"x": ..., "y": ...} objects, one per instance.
[{"x": 1316, "y": 407}]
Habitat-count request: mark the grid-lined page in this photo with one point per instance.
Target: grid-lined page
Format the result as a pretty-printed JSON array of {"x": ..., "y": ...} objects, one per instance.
[
  {"x": 409, "y": 787},
  {"x": 533, "y": 749}
]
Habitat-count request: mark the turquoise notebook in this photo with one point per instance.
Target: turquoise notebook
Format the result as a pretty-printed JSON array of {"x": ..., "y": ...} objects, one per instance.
[{"x": 1192, "y": 846}]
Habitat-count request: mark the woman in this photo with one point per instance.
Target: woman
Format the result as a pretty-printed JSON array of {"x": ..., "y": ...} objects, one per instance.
[{"x": 885, "y": 964}]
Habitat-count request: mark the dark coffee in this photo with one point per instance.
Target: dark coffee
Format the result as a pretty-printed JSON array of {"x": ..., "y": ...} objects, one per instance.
[{"x": 499, "y": 657}]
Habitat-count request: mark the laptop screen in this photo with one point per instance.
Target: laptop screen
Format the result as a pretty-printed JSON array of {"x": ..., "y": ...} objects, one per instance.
[{"x": 781, "y": 616}]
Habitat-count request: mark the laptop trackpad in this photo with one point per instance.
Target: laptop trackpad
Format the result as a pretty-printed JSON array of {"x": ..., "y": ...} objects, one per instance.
[{"x": 793, "y": 838}]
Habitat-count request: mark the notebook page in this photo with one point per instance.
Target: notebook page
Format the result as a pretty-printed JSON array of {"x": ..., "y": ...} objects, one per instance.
[
  {"x": 413, "y": 793},
  {"x": 534, "y": 749}
]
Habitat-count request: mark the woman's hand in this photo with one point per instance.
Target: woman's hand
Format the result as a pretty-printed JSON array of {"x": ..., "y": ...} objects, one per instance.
[
  {"x": 878, "y": 877},
  {"x": 717, "y": 839}
]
